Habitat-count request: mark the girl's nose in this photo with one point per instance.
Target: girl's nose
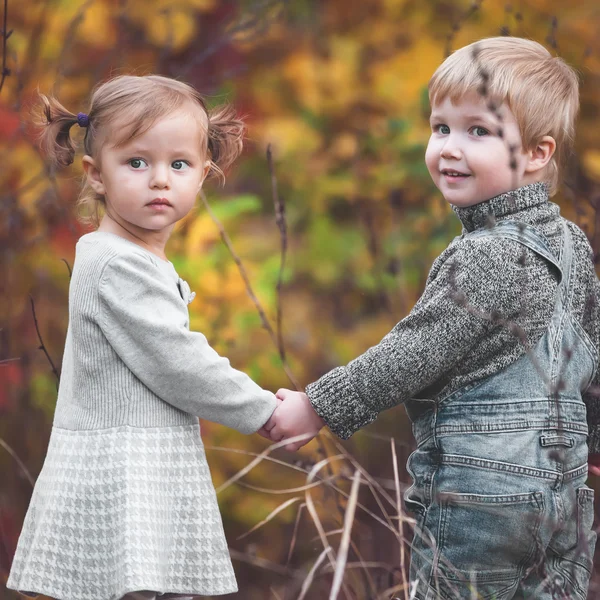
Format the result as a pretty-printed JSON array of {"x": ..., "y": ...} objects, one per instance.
[{"x": 160, "y": 177}]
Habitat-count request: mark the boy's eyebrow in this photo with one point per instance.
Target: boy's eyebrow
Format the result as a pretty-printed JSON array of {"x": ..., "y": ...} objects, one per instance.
[{"x": 484, "y": 115}]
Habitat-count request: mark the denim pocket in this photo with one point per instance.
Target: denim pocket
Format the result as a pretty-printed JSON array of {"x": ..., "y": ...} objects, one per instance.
[
  {"x": 576, "y": 564},
  {"x": 485, "y": 541}
]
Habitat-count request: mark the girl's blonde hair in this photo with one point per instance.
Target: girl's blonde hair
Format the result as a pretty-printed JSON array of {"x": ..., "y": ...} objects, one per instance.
[
  {"x": 542, "y": 91},
  {"x": 125, "y": 107}
]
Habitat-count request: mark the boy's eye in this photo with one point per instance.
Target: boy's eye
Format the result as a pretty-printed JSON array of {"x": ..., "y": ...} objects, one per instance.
[
  {"x": 180, "y": 165},
  {"x": 480, "y": 131},
  {"x": 137, "y": 163},
  {"x": 443, "y": 129}
]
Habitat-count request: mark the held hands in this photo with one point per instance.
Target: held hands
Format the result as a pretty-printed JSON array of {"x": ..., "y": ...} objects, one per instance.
[{"x": 294, "y": 415}]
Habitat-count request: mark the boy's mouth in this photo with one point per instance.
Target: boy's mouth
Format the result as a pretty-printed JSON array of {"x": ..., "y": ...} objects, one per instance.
[{"x": 450, "y": 173}]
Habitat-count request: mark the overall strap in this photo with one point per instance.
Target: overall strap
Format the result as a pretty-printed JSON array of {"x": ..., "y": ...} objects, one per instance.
[{"x": 529, "y": 236}]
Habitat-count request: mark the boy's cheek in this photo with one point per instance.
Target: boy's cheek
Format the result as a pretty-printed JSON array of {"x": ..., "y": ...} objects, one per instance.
[{"x": 431, "y": 160}]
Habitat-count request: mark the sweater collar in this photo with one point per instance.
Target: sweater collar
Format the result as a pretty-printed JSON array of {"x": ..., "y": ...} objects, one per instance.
[{"x": 509, "y": 203}]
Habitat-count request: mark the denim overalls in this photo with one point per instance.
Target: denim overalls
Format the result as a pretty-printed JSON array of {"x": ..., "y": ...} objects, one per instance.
[{"x": 500, "y": 466}]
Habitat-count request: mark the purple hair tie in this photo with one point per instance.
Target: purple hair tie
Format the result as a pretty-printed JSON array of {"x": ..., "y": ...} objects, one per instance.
[{"x": 83, "y": 119}]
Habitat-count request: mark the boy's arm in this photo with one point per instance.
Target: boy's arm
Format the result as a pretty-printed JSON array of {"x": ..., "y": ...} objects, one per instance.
[{"x": 449, "y": 319}]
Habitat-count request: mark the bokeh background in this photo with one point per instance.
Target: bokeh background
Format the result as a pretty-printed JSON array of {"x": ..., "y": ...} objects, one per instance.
[{"x": 337, "y": 90}]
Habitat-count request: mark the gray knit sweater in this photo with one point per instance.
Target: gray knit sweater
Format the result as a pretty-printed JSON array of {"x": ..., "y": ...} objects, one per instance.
[
  {"x": 440, "y": 346},
  {"x": 130, "y": 357}
]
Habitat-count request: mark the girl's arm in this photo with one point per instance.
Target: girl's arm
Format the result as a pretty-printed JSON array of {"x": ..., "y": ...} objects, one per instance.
[{"x": 145, "y": 321}]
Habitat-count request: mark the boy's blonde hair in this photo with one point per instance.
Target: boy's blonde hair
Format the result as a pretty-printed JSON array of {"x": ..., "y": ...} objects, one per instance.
[
  {"x": 542, "y": 91},
  {"x": 125, "y": 107}
]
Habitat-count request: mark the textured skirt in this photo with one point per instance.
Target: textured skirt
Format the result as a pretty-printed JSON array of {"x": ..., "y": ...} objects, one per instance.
[{"x": 120, "y": 510}]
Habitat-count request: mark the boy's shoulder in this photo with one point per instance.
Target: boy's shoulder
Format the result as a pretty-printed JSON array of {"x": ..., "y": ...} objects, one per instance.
[{"x": 488, "y": 242}]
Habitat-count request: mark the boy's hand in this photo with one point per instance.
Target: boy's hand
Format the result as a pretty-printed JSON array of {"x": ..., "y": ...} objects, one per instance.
[
  {"x": 594, "y": 464},
  {"x": 294, "y": 416}
]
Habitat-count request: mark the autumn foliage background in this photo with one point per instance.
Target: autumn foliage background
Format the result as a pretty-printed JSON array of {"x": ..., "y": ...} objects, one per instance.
[{"x": 338, "y": 90}]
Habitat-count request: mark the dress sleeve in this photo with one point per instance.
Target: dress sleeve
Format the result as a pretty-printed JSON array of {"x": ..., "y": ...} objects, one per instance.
[
  {"x": 456, "y": 309},
  {"x": 145, "y": 321}
]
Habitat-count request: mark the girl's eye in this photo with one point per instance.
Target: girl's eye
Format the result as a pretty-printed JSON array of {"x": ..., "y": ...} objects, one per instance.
[
  {"x": 180, "y": 165},
  {"x": 443, "y": 129},
  {"x": 137, "y": 163},
  {"x": 480, "y": 131}
]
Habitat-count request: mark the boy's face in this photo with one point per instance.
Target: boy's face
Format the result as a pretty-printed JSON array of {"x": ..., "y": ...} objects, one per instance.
[{"x": 469, "y": 156}]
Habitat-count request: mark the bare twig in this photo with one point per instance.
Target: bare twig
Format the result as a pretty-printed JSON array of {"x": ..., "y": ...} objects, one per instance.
[
  {"x": 345, "y": 541},
  {"x": 42, "y": 345},
  {"x": 68, "y": 267},
  {"x": 18, "y": 461},
  {"x": 281, "y": 224},
  {"x": 263, "y": 317},
  {"x": 263, "y": 563},
  {"x": 5, "y": 36}
]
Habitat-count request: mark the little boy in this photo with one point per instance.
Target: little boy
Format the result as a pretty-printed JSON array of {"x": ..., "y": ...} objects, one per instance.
[{"x": 497, "y": 363}]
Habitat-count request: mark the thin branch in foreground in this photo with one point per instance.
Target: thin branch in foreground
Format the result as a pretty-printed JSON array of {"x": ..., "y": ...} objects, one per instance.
[
  {"x": 282, "y": 225},
  {"x": 18, "y": 461},
  {"x": 5, "y": 36},
  {"x": 263, "y": 563},
  {"x": 272, "y": 514},
  {"x": 263, "y": 317},
  {"x": 338, "y": 576},
  {"x": 42, "y": 346},
  {"x": 68, "y": 267}
]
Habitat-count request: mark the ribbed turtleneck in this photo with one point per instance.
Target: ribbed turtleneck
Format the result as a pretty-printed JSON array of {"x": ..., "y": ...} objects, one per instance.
[{"x": 509, "y": 203}]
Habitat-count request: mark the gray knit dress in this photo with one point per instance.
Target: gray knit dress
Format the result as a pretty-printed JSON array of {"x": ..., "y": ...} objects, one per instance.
[{"x": 125, "y": 500}]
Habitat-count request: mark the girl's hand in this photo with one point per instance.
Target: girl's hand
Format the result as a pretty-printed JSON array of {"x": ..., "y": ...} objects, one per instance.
[
  {"x": 594, "y": 464},
  {"x": 265, "y": 430}
]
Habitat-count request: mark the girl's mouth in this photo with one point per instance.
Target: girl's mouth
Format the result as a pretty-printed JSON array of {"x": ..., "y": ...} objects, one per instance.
[{"x": 159, "y": 204}]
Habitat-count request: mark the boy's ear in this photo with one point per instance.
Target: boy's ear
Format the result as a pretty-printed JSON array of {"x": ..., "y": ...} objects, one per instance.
[
  {"x": 94, "y": 177},
  {"x": 540, "y": 156}
]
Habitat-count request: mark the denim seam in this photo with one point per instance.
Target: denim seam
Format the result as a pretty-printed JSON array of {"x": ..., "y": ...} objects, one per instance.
[{"x": 479, "y": 463}]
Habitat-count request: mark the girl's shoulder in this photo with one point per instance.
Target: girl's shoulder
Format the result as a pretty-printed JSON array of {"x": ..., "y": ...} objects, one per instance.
[{"x": 99, "y": 252}]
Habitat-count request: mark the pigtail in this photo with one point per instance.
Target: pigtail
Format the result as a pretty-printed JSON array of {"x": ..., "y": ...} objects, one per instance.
[
  {"x": 225, "y": 138},
  {"x": 55, "y": 138}
]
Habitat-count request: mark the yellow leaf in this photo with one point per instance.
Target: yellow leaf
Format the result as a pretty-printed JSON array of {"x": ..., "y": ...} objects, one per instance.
[
  {"x": 202, "y": 233},
  {"x": 97, "y": 28},
  {"x": 171, "y": 27},
  {"x": 591, "y": 162},
  {"x": 289, "y": 135}
]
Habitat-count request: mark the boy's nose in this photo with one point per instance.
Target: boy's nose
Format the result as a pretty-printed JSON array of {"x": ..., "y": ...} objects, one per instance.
[{"x": 451, "y": 150}]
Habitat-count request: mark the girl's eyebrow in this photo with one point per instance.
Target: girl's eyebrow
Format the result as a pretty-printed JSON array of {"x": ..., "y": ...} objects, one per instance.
[{"x": 148, "y": 150}]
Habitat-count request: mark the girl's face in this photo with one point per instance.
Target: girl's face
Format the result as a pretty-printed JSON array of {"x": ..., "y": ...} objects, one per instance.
[
  {"x": 468, "y": 159},
  {"x": 152, "y": 181}
]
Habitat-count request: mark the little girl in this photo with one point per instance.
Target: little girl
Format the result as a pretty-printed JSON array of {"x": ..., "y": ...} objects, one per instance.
[{"x": 124, "y": 506}]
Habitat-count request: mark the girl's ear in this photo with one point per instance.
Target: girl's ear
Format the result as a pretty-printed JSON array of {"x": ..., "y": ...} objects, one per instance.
[
  {"x": 94, "y": 177},
  {"x": 205, "y": 173},
  {"x": 540, "y": 156}
]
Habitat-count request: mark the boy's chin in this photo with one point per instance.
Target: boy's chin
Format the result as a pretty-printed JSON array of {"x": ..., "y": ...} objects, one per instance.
[{"x": 462, "y": 201}]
